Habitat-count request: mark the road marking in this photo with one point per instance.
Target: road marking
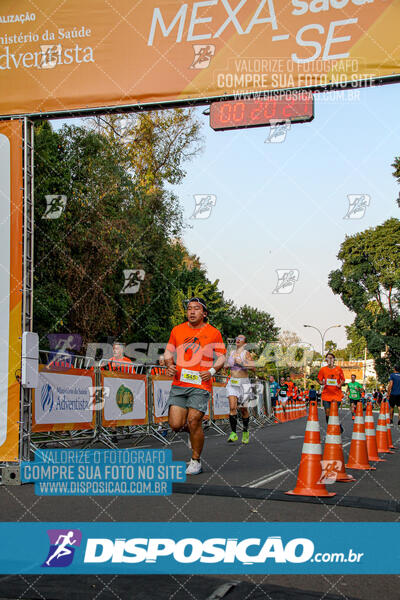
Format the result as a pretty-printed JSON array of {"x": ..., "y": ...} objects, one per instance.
[
  {"x": 265, "y": 479},
  {"x": 346, "y": 444},
  {"x": 295, "y": 437}
]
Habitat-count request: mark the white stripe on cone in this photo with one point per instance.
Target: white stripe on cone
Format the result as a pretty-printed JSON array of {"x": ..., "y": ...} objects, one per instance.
[
  {"x": 311, "y": 448},
  {"x": 312, "y": 426}
]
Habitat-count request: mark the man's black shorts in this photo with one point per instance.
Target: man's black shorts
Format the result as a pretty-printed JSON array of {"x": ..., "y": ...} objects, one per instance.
[{"x": 394, "y": 400}]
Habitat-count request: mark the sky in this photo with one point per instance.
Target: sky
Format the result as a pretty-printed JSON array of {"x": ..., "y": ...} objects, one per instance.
[{"x": 282, "y": 206}]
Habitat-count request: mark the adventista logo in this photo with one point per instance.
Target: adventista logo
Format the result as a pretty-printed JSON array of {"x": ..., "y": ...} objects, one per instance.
[
  {"x": 47, "y": 397},
  {"x": 62, "y": 547}
]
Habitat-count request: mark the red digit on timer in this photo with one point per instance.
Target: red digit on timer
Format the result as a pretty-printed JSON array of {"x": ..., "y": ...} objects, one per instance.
[
  {"x": 238, "y": 112},
  {"x": 254, "y": 115},
  {"x": 270, "y": 108},
  {"x": 288, "y": 108},
  {"x": 224, "y": 112}
]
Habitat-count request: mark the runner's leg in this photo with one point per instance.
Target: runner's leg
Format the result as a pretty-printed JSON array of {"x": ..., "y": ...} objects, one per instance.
[
  {"x": 194, "y": 420},
  {"x": 177, "y": 417}
]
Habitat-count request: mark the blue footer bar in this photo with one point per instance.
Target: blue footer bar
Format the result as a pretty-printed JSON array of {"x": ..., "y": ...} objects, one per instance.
[{"x": 201, "y": 548}]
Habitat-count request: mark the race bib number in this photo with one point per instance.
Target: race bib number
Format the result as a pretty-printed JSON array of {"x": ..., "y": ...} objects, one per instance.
[
  {"x": 331, "y": 382},
  {"x": 190, "y": 377},
  {"x": 235, "y": 381},
  {"x": 282, "y": 393}
]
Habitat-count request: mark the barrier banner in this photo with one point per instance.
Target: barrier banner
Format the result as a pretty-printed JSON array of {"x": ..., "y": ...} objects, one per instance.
[
  {"x": 161, "y": 388},
  {"x": 85, "y": 55},
  {"x": 64, "y": 400},
  {"x": 124, "y": 399},
  {"x": 259, "y": 392},
  {"x": 220, "y": 401},
  {"x": 201, "y": 548},
  {"x": 11, "y": 195}
]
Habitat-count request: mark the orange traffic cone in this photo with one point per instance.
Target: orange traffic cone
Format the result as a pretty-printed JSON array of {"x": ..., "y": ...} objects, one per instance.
[
  {"x": 388, "y": 426},
  {"x": 280, "y": 417},
  {"x": 358, "y": 457},
  {"x": 333, "y": 451},
  {"x": 381, "y": 432},
  {"x": 288, "y": 410},
  {"x": 310, "y": 470},
  {"x": 370, "y": 435}
]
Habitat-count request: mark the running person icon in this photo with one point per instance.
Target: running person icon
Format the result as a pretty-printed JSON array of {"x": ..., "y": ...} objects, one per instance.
[
  {"x": 238, "y": 388},
  {"x": 62, "y": 550}
]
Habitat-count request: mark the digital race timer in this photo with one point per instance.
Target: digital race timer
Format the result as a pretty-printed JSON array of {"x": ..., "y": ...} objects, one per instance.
[{"x": 234, "y": 114}]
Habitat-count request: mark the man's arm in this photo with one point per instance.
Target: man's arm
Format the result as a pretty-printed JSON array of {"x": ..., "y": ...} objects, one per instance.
[
  {"x": 218, "y": 365},
  {"x": 389, "y": 387},
  {"x": 169, "y": 356}
]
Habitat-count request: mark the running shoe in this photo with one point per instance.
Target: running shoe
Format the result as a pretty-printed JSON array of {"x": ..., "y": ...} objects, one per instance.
[
  {"x": 233, "y": 437},
  {"x": 245, "y": 437},
  {"x": 194, "y": 467}
]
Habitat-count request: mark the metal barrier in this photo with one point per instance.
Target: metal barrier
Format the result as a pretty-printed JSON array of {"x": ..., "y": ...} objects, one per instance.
[{"x": 117, "y": 386}]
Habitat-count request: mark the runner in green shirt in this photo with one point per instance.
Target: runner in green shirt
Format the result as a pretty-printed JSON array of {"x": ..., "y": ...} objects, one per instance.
[{"x": 353, "y": 391}]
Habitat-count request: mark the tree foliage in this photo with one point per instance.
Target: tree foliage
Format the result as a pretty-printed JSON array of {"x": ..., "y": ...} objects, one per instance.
[
  {"x": 120, "y": 215},
  {"x": 368, "y": 284}
]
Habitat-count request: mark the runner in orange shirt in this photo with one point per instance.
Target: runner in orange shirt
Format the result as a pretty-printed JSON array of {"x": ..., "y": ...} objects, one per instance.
[
  {"x": 194, "y": 344},
  {"x": 332, "y": 379}
]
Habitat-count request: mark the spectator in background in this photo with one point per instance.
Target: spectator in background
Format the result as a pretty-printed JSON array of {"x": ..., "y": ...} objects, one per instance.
[
  {"x": 273, "y": 388},
  {"x": 119, "y": 362},
  {"x": 312, "y": 394}
]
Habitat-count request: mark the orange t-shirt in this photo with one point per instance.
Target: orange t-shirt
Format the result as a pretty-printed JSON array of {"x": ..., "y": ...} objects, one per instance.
[
  {"x": 290, "y": 385},
  {"x": 333, "y": 378},
  {"x": 195, "y": 350},
  {"x": 117, "y": 364}
]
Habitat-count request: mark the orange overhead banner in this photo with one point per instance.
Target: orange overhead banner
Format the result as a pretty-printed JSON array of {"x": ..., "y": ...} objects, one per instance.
[{"x": 74, "y": 55}]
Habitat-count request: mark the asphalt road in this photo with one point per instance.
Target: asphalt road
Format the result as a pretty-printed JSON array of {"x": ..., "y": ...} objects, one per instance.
[{"x": 269, "y": 462}]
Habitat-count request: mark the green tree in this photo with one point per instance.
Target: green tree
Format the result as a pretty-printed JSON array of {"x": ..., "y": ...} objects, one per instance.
[
  {"x": 111, "y": 223},
  {"x": 330, "y": 346},
  {"x": 368, "y": 284}
]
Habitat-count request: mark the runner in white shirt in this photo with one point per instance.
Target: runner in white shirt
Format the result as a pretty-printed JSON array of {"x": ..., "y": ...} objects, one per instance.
[{"x": 238, "y": 388}]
